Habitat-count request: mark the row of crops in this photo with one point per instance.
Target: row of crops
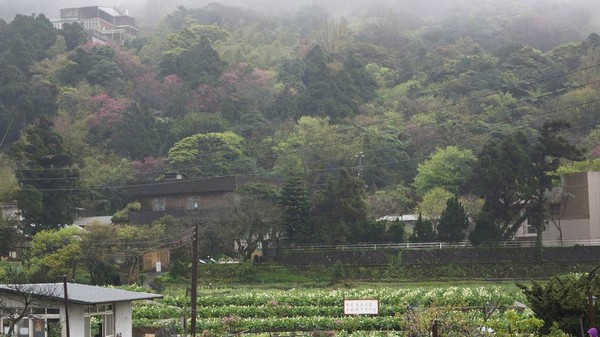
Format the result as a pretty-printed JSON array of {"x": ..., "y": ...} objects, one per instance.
[{"x": 458, "y": 311}]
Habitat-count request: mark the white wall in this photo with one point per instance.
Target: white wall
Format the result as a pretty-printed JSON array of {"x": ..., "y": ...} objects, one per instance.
[
  {"x": 122, "y": 315},
  {"x": 76, "y": 325},
  {"x": 571, "y": 230},
  {"x": 594, "y": 200}
]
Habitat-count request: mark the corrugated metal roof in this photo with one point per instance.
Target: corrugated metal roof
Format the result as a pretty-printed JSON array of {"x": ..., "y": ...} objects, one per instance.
[
  {"x": 404, "y": 217},
  {"x": 86, "y": 221},
  {"x": 78, "y": 293},
  {"x": 109, "y": 10}
]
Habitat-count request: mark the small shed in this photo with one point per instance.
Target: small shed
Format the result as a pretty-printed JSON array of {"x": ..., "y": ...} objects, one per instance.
[{"x": 107, "y": 311}]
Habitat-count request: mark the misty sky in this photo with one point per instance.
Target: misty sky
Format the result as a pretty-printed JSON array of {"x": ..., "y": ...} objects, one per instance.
[{"x": 149, "y": 11}]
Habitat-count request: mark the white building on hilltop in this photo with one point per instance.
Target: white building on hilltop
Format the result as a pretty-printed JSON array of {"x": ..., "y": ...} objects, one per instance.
[{"x": 102, "y": 24}]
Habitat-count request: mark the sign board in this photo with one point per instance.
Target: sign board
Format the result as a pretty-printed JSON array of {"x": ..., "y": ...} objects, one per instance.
[{"x": 361, "y": 307}]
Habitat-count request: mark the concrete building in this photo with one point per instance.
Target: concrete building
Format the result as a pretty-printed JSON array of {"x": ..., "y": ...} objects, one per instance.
[
  {"x": 576, "y": 208},
  {"x": 107, "y": 310},
  {"x": 102, "y": 24}
]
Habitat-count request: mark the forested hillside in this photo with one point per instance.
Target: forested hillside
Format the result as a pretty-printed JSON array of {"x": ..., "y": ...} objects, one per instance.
[{"x": 373, "y": 113}]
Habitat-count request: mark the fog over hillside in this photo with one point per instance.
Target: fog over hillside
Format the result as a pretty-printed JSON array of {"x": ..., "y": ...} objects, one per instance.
[{"x": 148, "y": 12}]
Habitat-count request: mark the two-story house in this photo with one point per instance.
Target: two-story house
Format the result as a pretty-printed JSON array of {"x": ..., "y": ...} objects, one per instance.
[{"x": 179, "y": 196}]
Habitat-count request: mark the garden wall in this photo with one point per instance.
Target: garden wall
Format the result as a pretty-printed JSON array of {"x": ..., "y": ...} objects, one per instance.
[{"x": 575, "y": 254}]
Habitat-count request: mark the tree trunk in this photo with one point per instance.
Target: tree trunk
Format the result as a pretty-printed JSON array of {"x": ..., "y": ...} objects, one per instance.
[{"x": 537, "y": 218}]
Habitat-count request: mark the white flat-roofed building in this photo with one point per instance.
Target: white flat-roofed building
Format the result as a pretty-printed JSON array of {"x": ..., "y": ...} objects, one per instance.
[{"x": 43, "y": 305}]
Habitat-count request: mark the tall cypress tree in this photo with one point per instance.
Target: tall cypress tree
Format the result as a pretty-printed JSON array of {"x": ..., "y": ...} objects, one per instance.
[
  {"x": 453, "y": 222},
  {"x": 47, "y": 178},
  {"x": 423, "y": 231},
  {"x": 294, "y": 199},
  {"x": 340, "y": 211}
]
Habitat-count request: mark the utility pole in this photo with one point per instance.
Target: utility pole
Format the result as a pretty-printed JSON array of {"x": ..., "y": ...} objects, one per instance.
[
  {"x": 194, "y": 290},
  {"x": 68, "y": 330},
  {"x": 360, "y": 156}
]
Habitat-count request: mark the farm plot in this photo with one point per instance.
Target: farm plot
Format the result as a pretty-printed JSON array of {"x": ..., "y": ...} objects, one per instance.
[{"x": 457, "y": 311}]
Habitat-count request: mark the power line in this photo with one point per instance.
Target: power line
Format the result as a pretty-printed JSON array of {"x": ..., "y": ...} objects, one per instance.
[{"x": 8, "y": 128}]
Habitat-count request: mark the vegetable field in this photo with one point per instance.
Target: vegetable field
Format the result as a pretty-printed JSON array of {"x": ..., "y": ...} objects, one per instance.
[{"x": 458, "y": 311}]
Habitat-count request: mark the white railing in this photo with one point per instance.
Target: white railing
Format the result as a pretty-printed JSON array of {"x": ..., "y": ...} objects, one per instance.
[{"x": 440, "y": 245}]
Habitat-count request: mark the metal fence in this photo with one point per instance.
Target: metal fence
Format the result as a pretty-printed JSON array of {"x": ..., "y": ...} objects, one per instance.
[{"x": 440, "y": 245}]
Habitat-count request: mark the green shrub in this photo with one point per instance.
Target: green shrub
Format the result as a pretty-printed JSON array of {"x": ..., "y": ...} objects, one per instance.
[{"x": 337, "y": 272}]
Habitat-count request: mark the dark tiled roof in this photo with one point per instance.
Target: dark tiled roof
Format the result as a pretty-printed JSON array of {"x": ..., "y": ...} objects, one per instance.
[
  {"x": 78, "y": 293},
  {"x": 193, "y": 186}
]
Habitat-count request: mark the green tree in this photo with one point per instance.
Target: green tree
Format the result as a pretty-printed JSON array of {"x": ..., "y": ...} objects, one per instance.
[
  {"x": 47, "y": 178},
  {"x": 16, "y": 107},
  {"x": 386, "y": 158},
  {"x": 104, "y": 72},
  {"x": 546, "y": 154},
  {"x": 327, "y": 92},
  {"x": 398, "y": 199},
  {"x": 8, "y": 181},
  {"x": 512, "y": 177},
  {"x": 334, "y": 37},
  {"x": 94, "y": 64},
  {"x": 422, "y": 231},
  {"x": 312, "y": 146},
  {"x": 293, "y": 197},
  {"x": 211, "y": 154},
  {"x": 43, "y": 97},
  {"x": 194, "y": 123},
  {"x": 28, "y": 39},
  {"x": 9, "y": 234},
  {"x": 362, "y": 80},
  {"x": 97, "y": 249},
  {"x": 447, "y": 168},
  {"x": 135, "y": 241},
  {"x": 74, "y": 35},
  {"x": 433, "y": 204},
  {"x": 196, "y": 63},
  {"x": 340, "y": 211},
  {"x": 102, "y": 176},
  {"x": 54, "y": 253},
  {"x": 579, "y": 166},
  {"x": 18, "y": 54},
  {"x": 563, "y": 300},
  {"x": 501, "y": 177},
  {"x": 137, "y": 135},
  {"x": 247, "y": 219},
  {"x": 454, "y": 222},
  {"x": 485, "y": 230}
]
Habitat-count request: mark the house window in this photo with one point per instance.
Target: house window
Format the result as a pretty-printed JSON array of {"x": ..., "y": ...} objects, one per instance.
[
  {"x": 108, "y": 326},
  {"x": 158, "y": 204},
  {"x": 22, "y": 328},
  {"x": 39, "y": 327},
  {"x": 193, "y": 202},
  {"x": 5, "y": 326},
  {"x": 99, "y": 321}
]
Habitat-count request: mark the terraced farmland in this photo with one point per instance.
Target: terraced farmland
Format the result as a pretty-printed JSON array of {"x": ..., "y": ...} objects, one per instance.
[{"x": 458, "y": 311}]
